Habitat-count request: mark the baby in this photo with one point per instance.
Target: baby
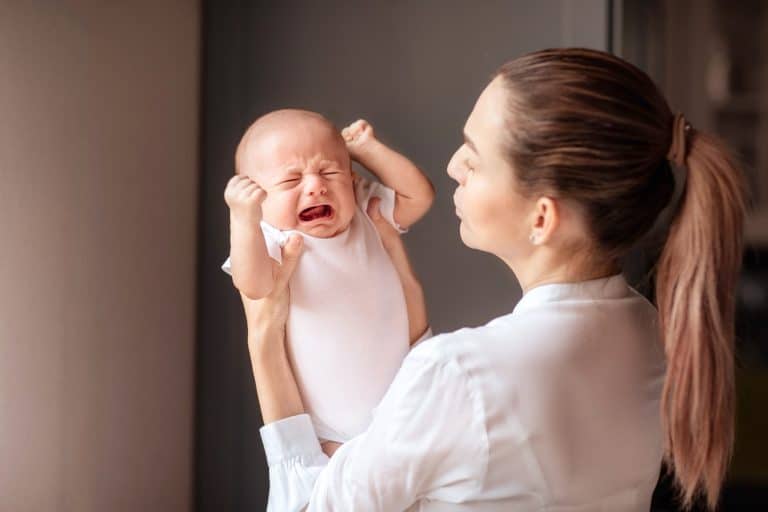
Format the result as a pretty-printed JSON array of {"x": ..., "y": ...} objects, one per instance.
[{"x": 348, "y": 325}]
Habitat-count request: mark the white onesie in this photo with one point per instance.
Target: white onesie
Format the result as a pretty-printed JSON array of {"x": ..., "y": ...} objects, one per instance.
[{"x": 347, "y": 329}]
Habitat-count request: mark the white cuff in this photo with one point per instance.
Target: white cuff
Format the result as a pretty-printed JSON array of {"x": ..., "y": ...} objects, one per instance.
[{"x": 288, "y": 438}]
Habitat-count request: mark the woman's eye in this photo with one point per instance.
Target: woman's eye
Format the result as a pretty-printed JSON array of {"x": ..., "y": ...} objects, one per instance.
[{"x": 328, "y": 173}]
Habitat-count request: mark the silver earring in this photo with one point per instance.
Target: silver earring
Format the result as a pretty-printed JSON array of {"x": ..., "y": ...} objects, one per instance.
[{"x": 533, "y": 238}]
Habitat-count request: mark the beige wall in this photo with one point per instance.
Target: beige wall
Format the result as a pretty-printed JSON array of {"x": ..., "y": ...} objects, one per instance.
[{"x": 98, "y": 179}]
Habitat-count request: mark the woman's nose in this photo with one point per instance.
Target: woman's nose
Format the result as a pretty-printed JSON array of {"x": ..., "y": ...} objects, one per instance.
[{"x": 453, "y": 169}]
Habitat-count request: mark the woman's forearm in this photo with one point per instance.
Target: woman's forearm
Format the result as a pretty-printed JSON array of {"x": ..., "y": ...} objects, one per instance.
[
  {"x": 276, "y": 387},
  {"x": 412, "y": 289},
  {"x": 266, "y": 319},
  {"x": 417, "y": 310}
]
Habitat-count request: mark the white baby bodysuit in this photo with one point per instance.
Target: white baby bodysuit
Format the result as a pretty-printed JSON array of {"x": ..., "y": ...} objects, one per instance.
[{"x": 347, "y": 329}]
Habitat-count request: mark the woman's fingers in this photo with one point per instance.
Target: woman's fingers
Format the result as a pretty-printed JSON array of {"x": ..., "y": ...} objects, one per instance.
[
  {"x": 387, "y": 232},
  {"x": 373, "y": 209},
  {"x": 290, "y": 256},
  {"x": 272, "y": 310}
]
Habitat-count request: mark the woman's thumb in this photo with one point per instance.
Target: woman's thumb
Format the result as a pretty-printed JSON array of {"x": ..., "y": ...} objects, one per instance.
[
  {"x": 373, "y": 209},
  {"x": 290, "y": 256}
]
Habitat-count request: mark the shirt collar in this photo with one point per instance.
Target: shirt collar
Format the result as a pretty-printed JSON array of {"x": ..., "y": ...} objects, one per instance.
[{"x": 611, "y": 287}]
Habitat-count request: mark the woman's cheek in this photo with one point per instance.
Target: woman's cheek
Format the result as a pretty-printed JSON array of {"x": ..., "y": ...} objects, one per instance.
[{"x": 476, "y": 197}]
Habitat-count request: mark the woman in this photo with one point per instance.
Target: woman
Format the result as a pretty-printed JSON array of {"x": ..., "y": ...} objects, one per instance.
[{"x": 572, "y": 400}]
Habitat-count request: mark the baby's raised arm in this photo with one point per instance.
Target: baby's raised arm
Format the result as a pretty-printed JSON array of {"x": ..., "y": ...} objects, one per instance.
[
  {"x": 253, "y": 270},
  {"x": 414, "y": 192}
]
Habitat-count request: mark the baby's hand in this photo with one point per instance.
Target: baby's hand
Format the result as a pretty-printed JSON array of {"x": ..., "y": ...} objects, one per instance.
[
  {"x": 358, "y": 136},
  {"x": 244, "y": 197}
]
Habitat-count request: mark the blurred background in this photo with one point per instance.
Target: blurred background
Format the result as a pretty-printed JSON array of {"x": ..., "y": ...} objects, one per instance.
[{"x": 125, "y": 382}]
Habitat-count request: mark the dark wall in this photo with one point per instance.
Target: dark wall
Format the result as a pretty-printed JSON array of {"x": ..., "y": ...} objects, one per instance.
[{"x": 414, "y": 70}]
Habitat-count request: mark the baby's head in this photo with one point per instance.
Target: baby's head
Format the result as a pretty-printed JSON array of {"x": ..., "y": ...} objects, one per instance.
[{"x": 300, "y": 159}]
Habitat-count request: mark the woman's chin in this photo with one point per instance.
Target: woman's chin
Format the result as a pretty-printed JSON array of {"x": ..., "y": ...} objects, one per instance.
[
  {"x": 472, "y": 241},
  {"x": 466, "y": 236}
]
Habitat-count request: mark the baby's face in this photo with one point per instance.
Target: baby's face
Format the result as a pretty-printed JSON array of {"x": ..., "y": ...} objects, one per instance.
[{"x": 305, "y": 170}]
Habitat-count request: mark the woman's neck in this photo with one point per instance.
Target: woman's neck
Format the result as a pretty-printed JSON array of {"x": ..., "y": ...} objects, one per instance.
[{"x": 546, "y": 268}]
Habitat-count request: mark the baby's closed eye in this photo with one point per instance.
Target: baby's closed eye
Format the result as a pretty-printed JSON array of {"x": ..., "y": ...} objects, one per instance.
[{"x": 289, "y": 179}]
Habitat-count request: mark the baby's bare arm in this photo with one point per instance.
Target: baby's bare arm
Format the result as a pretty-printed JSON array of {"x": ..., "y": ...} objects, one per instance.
[
  {"x": 252, "y": 267},
  {"x": 414, "y": 192},
  {"x": 253, "y": 270}
]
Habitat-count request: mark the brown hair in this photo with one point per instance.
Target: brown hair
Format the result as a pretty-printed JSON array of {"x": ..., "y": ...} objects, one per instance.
[{"x": 588, "y": 126}]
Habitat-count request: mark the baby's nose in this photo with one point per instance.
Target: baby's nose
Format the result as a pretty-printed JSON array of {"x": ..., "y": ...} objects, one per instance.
[{"x": 315, "y": 185}]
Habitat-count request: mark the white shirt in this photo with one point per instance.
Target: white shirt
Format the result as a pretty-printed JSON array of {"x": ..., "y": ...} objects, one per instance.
[
  {"x": 554, "y": 407},
  {"x": 347, "y": 330}
]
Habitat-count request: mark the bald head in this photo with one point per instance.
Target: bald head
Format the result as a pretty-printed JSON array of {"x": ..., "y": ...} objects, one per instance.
[{"x": 272, "y": 130}]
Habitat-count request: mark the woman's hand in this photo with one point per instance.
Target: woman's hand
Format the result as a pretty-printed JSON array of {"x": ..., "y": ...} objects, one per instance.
[
  {"x": 275, "y": 384},
  {"x": 266, "y": 317},
  {"x": 330, "y": 447}
]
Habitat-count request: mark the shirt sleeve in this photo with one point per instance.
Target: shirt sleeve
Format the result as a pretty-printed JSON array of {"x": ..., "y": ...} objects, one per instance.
[
  {"x": 428, "y": 433},
  {"x": 275, "y": 240},
  {"x": 366, "y": 190}
]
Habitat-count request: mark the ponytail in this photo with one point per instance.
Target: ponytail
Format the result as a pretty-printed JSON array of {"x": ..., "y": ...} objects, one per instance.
[
  {"x": 695, "y": 288},
  {"x": 597, "y": 130}
]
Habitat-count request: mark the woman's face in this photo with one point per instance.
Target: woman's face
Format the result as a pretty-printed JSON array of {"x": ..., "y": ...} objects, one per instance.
[{"x": 494, "y": 216}]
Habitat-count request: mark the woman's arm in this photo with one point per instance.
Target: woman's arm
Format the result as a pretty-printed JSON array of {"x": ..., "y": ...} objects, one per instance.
[
  {"x": 414, "y": 293},
  {"x": 265, "y": 318},
  {"x": 427, "y": 435},
  {"x": 428, "y": 431}
]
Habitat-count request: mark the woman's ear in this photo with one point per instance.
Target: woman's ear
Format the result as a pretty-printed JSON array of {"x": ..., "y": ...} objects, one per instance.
[{"x": 546, "y": 219}]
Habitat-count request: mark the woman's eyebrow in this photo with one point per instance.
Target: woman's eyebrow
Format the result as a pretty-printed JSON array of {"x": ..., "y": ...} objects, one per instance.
[{"x": 469, "y": 142}]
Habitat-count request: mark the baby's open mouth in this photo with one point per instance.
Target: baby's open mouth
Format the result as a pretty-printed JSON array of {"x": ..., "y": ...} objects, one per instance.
[{"x": 322, "y": 211}]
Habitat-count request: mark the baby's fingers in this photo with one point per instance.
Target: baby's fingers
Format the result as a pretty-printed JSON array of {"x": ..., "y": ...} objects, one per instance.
[
  {"x": 239, "y": 181},
  {"x": 258, "y": 195},
  {"x": 234, "y": 185},
  {"x": 354, "y": 130}
]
